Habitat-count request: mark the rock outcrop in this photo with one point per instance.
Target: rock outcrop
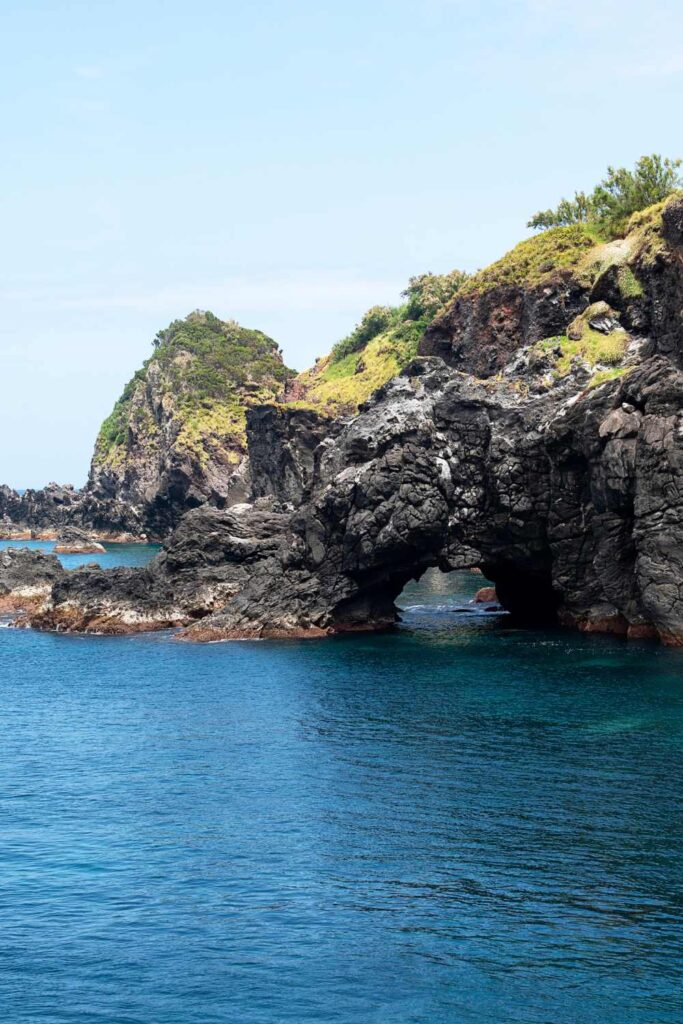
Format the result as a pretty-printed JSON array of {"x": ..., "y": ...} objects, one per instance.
[
  {"x": 44, "y": 514},
  {"x": 177, "y": 436},
  {"x": 26, "y": 579},
  {"x": 72, "y": 541},
  {"x": 43, "y": 511},
  {"x": 285, "y": 445},
  {"x": 572, "y": 511},
  {"x": 556, "y": 468}
]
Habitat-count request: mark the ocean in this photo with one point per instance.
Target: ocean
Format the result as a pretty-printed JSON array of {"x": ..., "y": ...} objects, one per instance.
[{"x": 455, "y": 822}]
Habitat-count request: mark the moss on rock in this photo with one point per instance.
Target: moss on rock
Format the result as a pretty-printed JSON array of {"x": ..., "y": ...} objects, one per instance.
[
  {"x": 536, "y": 259},
  {"x": 595, "y": 348},
  {"x": 203, "y": 374}
]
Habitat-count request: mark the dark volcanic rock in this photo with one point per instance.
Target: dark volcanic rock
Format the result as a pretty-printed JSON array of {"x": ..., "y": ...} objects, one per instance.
[
  {"x": 572, "y": 511},
  {"x": 480, "y": 332},
  {"x": 26, "y": 578},
  {"x": 47, "y": 512},
  {"x": 210, "y": 557},
  {"x": 284, "y": 450},
  {"x": 568, "y": 505},
  {"x": 558, "y": 475}
]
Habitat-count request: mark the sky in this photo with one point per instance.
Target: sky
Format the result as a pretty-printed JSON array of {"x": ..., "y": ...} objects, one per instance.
[{"x": 286, "y": 164}]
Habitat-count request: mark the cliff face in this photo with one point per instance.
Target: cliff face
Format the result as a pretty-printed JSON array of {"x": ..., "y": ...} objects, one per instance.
[
  {"x": 177, "y": 436},
  {"x": 545, "y": 447},
  {"x": 285, "y": 445},
  {"x": 537, "y": 290}
]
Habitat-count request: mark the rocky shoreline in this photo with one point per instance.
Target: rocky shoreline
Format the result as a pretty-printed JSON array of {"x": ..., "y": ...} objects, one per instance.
[{"x": 538, "y": 436}]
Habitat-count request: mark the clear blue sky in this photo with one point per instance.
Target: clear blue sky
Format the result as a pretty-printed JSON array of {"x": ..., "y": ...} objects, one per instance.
[{"x": 285, "y": 163}]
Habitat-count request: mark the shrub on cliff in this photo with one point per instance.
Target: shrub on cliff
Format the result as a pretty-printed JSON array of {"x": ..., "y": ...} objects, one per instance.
[
  {"x": 377, "y": 349},
  {"x": 618, "y": 196},
  {"x": 376, "y": 320},
  {"x": 426, "y": 296}
]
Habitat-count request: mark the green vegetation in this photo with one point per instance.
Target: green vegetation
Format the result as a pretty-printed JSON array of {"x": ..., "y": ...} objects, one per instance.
[
  {"x": 593, "y": 347},
  {"x": 629, "y": 285},
  {"x": 377, "y": 320},
  {"x": 645, "y": 233},
  {"x": 114, "y": 430},
  {"x": 602, "y": 376},
  {"x": 535, "y": 259},
  {"x": 339, "y": 386},
  {"x": 619, "y": 195},
  {"x": 380, "y": 346},
  {"x": 227, "y": 357},
  {"x": 426, "y": 296},
  {"x": 206, "y": 371}
]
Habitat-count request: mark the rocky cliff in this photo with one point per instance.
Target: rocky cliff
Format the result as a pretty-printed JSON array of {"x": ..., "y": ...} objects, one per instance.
[
  {"x": 537, "y": 436},
  {"x": 177, "y": 436}
]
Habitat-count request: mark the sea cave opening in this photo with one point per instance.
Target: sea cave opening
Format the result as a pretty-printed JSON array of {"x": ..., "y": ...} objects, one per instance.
[
  {"x": 436, "y": 597},
  {"x": 523, "y": 593}
]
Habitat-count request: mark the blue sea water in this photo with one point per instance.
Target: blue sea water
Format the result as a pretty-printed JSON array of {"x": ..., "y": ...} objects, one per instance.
[
  {"x": 115, "y": 554},
  {"x": 458, "y": 822}
]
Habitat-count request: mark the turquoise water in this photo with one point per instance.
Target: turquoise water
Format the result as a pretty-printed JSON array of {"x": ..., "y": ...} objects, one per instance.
[
  {"x": 115, "y": 554},
  {"x": 458, "y": 823}
]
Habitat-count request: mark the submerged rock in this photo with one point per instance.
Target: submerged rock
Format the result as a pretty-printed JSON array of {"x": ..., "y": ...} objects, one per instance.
[{"x": 72, "y": 541}]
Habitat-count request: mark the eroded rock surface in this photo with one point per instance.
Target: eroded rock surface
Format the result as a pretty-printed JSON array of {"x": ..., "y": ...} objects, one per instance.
[
  {"x": 44, "y": 514},
  {"x": 569, "y": 504},
  {"x": 72, "y": 541},
  {"x": 554, "y": 464},
  {"x": 26, "y": 578}
]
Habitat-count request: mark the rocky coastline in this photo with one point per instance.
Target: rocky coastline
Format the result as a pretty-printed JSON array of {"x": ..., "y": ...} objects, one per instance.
[{"x": 537, "y": 436}]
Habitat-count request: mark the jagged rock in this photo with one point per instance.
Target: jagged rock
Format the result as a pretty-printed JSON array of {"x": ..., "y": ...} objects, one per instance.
[
  {"x": 43, "y": 514},
  {"x": 72, "y": 541},
  {"x": 562, "y": 502},
  {"x": 26, "y": 578},
  {"x": 210, "y": 557},
  {"x": 283, "y": 447},
  {"x": 43, "y": 511},
  {"x": 563, "y": 485}
]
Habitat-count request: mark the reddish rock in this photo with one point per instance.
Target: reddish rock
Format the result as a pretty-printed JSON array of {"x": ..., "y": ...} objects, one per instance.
[{"x": 642, "y": 631}]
